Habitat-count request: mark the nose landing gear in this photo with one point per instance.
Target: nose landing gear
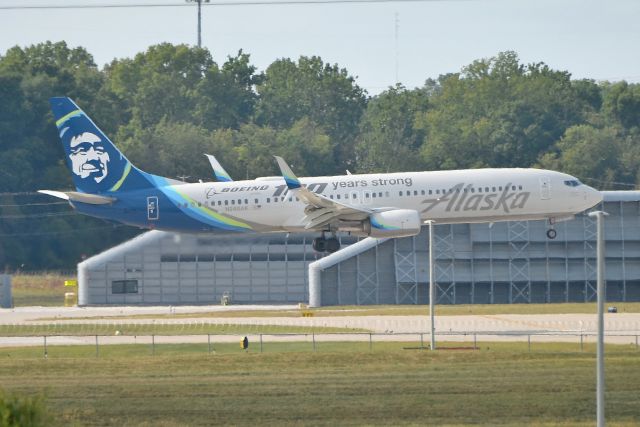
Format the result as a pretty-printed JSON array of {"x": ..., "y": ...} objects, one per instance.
[{"x": 322, "y": 244}]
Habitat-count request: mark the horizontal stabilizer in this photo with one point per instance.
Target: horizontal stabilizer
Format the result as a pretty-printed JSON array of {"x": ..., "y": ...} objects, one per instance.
[{"x": 74, "y": 196}]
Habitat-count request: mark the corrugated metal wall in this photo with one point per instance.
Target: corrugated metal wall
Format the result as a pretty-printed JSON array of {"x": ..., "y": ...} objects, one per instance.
[
  {"x": 504, "y": 263},
  {"x": 509, "y": 262}
]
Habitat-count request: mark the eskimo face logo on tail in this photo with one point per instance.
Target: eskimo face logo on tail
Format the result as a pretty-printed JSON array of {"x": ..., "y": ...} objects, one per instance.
[{"x": 89, "y": 157}]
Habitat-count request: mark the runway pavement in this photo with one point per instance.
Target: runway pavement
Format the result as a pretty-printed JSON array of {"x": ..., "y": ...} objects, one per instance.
[{"x": 620, "y": 327}]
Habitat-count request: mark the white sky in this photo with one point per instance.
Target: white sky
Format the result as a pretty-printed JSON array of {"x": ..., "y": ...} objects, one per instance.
[{"x": 590, "y": 38}]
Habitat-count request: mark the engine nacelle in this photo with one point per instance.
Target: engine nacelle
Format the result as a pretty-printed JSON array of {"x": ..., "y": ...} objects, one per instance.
[{"x": 394, "y": 223}]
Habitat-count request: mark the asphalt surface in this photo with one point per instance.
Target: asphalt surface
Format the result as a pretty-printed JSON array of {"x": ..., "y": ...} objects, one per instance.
[{"x": 621, "y": 328}]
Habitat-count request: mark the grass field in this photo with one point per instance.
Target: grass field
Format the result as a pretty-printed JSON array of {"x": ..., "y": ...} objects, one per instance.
[
  {"x": 341, "y": 384},
  {"x": 26, "y": 330},
  {"x": 39, "y": 289}
]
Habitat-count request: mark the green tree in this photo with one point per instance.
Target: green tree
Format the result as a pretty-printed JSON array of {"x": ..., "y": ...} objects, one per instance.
[
  {"x": 159, "y": 83},
  {"x": 388, "y": 140},
  {"x": 324, "y": 93},
  {"x": 226, "y": 96},
  {"x": 622, "y": 103},
  {"x": 588, "y": 153},
  {"x": 499, "y": 113}
]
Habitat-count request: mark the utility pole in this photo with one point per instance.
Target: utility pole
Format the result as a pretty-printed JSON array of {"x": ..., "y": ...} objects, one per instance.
[
  {"x": 600, "y": 387},
  {"x": 199, "y": 18},
  {"x": 432, "y": 287}
]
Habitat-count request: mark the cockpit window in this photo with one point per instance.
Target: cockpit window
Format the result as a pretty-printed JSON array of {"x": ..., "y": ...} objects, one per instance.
[{"x": 572, "y": 183}]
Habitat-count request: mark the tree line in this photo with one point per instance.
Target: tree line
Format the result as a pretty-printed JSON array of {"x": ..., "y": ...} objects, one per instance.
[{"x": 167, "y": 106}]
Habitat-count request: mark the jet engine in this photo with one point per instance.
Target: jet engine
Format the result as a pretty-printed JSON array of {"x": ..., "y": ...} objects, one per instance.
[{"x": 392, "y": 223}]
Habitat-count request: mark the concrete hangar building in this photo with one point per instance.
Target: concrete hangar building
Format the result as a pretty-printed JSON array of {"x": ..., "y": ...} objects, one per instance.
[{"x": 508, "y": 262}]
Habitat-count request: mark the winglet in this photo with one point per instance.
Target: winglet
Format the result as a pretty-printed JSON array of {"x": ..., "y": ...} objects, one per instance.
[
  {"x": 289, "y": 177},
  {"x": 218, "y": 170}
]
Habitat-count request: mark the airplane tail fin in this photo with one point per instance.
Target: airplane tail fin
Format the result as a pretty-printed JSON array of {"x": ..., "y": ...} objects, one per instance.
[{"x": 97, "y": 166}]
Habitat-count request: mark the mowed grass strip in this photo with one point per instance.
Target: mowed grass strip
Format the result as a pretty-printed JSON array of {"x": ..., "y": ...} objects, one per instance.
[
  {"x": 192, "y": 328},
  {"x": 339, "y": 384},
  {"x": 385, "y": 310}
]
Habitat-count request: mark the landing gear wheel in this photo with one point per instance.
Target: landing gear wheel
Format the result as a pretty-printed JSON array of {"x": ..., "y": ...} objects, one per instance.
[
  {"x": 319, "y": 244},
  {"x": 332, "y": 245},
  {"x": 551, "y": 233}
]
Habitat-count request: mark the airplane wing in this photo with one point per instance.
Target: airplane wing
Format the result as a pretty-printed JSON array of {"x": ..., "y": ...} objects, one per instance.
[
  {"x": 218, "y": 170},
  {"x": 320, "y": 210}
]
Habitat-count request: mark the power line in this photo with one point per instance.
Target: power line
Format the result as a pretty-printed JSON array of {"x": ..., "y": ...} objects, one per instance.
[
  {"x": 40, "y": 215},
  {"x": 220, "y": 3},
  {"x": 609, "y": 182},
  {"x": 55, "y": 233},
  {"x": 34, "y": 204}
]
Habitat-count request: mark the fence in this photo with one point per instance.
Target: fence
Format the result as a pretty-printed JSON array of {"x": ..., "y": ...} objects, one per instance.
[{"x": 286, "y": 342}]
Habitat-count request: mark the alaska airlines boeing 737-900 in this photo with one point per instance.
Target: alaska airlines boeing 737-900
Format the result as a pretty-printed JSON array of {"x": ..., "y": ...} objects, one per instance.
[{"x": 379, "y": 205}]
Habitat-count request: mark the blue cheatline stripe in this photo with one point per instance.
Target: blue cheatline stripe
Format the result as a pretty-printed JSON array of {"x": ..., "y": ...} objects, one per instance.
[{"x": 199, "y": 213}]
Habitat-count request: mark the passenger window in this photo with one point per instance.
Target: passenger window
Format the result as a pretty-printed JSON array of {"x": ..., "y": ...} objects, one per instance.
[
  {"x": 513, "y": 188},
  {"x": 233, "y": 202},
  {"x": 255, "y": 201},
  {"x": 268, "y": 199},
  {"x": 519, "y": 187},
  {"x": 338, "y": 196},
  {"x": 400, "y": 193},
  {"x": 424, "y": 193},
  {"x": 226, "y": 203}
]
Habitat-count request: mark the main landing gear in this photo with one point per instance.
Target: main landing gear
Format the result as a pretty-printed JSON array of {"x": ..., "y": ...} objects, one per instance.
[
  {"x": 551, "y": 232},
  {"x": 322, "y": 244}
]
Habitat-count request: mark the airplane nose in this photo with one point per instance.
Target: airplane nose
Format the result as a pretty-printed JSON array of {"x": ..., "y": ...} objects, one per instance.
[{"x": 592, "y": 196}]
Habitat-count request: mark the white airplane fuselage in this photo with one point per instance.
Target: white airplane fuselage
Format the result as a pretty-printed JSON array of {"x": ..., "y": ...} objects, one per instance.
[{"x": 459, "y": 196}]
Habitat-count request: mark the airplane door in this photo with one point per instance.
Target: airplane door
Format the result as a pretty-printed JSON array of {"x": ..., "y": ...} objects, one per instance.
[
  {"x": 545, "y": 188},
  {"x": 153, "y": 211}
]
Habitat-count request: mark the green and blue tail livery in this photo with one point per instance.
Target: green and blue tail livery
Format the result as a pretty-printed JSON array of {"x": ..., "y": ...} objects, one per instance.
[{"x": 96, "y": 165}]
